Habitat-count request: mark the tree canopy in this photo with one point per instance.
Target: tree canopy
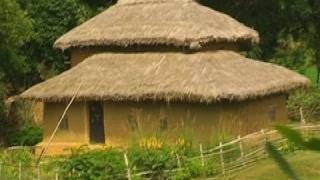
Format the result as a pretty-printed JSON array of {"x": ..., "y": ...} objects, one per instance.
[{"x": 28, "y": 28}]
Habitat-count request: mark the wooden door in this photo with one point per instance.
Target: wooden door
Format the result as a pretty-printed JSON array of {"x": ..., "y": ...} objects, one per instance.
[{"x": 96, "y": 118}]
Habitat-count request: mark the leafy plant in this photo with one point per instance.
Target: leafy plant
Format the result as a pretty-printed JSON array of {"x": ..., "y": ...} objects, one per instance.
[
  {"x": 29, "y": 134},
  {"x": 98, "y": 164},
  {"x": 308, "y": 101},
  {"x": 153, "y": 159}
]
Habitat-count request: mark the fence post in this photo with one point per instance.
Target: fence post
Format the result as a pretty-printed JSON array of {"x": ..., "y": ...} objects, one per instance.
[
  {"x": 201, "y": 154},
  {"x": 240, "y": 146},
  {"x": 39, "y": 171},
  {"x": 264, "y": 136},
  {"x": 20, "y": 170},
  {"x": 57, "y": 176},
  {"x": 222, "y": 159},
  {"x": 302, "y": 119},
  {"x": 265, "y": 139},
  {"x": 241, "y": 150},
  {"x": 178, "y": 160},
  {"x": 128, "y": 167}
]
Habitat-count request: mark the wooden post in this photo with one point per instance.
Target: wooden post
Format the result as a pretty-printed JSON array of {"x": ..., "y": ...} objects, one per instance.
[
  {"x": 241, "y": 146},
  {"x": 302, "y": 119},
  {"x": 264, "y": 136},
  {"x": 38, "y": 171},
  {"x": 57, "y": 176},
  {"x": 222, "y": 159},
  {"x": 241, "y": 150},
  {"x": 128, "y": 167},
  {"x": 20, "y": 170},
  {"x": 265, "y": 140},
  {"x": 201, "y": 155},
  {"x": 178, "y": 161},
  {"x": 0, "y": 169}
]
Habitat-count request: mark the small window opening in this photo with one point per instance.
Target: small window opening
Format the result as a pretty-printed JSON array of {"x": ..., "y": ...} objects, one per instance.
[
  {"x": 64, "y": 125},
  {"x": 164, "y": 124},
  {"x": 272, "y": 113},
  {"x": 132, "y": 123}
]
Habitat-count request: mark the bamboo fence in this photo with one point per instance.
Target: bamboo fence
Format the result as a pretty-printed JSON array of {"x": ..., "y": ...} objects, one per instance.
[{"x": 232, "y": 157}]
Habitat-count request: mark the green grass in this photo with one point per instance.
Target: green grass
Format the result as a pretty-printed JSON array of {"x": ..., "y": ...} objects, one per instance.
[{"x": 306, "y": 164}]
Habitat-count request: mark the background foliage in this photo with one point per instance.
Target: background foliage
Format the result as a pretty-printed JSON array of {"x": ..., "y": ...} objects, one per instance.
[{"x": 289, "y": 31}]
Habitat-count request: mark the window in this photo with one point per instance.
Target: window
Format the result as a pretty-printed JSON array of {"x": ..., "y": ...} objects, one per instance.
[
  {"x": 132, "y": 123},
  {"x": 163, "y": 124},
  {"x": 272, "y": 113},
  {"x": 64, "y": 125}
]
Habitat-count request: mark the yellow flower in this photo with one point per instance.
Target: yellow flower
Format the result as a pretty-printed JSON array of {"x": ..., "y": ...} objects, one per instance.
[{"x": 151, "y": 143}]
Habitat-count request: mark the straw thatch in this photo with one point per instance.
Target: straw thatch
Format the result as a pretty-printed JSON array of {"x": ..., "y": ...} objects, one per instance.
[
  {"x": 180, "y": 23},
  {"x": 199, "y": 77}
]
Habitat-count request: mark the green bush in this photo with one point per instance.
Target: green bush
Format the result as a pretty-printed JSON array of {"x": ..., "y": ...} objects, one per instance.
[
  {"x": 29, "y": 134},
  {"x": 98, "y": 164},
  {"x": 153, "y": 159},
  {"x": 309, "y": 101}
]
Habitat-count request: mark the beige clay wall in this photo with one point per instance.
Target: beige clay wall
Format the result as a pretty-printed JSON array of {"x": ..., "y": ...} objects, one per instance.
[
  {"x": 79, "y": 54},
  {"x": 77, "y": 120},
  {"x": 203, "y": 122}
]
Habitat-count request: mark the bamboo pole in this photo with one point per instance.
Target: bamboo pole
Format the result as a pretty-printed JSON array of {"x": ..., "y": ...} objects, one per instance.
[
  {"x": 201, "y": 155},
  {"x": 241, "y": 151},
  {"x": 222, "y": 158},
  {"x": 302, "y": 119},
  {"x": 264, "y": 136},
  {"x": 0, "y": 169},
  {"x": 178, "y": 161},
  {"x": 39, "y": 171},
  {"x": 20, "y": 170},
  {"x": 128, "y": 167},
  {"x": 241, "y": 146},
  {"x": 44, "y": 150}
]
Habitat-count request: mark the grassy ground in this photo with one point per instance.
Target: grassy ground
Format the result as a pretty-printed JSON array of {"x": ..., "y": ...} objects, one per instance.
[{"x": 305, "y": 163}]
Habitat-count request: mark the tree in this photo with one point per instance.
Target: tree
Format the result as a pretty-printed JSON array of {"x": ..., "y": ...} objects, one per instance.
[
  {"x": 52, "y": 19},
  {"x": 289, "y": 29},
  {"x": 15, "y": 31}
]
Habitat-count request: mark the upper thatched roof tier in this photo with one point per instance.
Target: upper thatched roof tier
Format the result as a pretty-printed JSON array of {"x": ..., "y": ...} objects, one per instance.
[
  {"x": 181, "y": 23},
  {"x": 199, "y": 77}
]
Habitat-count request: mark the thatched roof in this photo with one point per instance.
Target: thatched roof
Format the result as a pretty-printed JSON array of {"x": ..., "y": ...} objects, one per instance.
[
  {"x": 199, "y": 77},
  {"x": 181, "y": 23}
]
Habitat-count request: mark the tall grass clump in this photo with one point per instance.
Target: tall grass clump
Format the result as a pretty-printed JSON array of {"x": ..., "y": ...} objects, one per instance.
[{"x": 11, "y": 160}]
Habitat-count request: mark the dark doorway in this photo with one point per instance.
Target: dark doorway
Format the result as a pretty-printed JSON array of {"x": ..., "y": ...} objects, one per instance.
[{"x": 96, "y": 119}]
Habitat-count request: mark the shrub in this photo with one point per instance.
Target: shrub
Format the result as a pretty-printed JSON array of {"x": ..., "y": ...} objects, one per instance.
[
  {"x": 153, "y": 159},
  {"x": 98, "y": 164},
  {"x": 309, "y": 101},
  {"x": 29, "y": 134}
]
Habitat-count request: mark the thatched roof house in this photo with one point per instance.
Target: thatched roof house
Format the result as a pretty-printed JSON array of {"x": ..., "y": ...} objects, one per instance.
[
  {"x": 200, "y": 77},
  {"x": 162, "y": 65},
  {"x": 180, "y": 23}
]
